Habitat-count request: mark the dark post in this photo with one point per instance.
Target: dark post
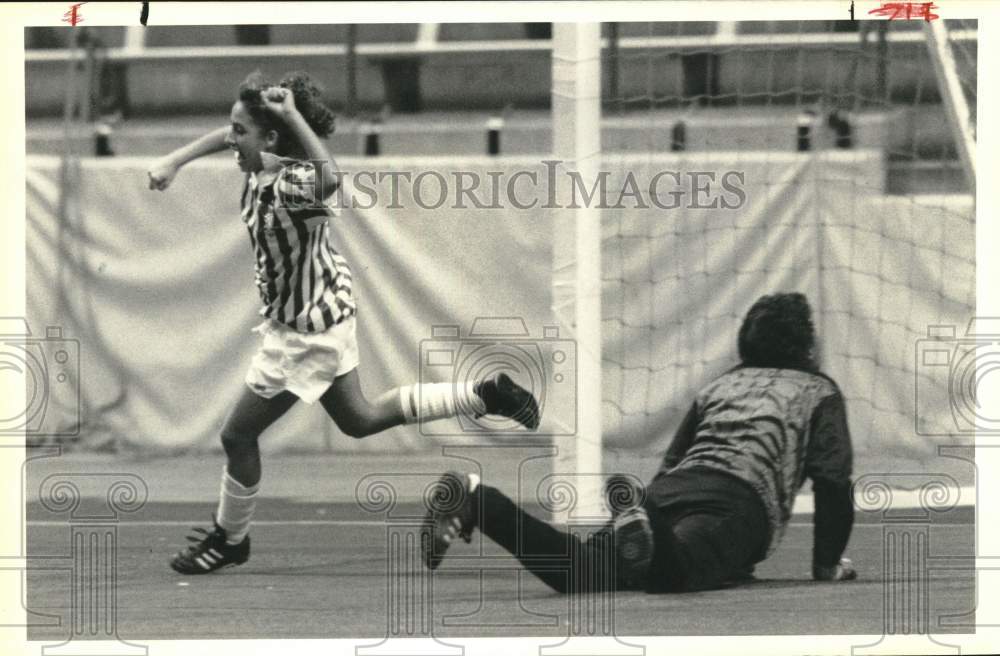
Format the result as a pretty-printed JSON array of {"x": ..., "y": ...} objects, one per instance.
[
  {"x": 493, "y": 128},
  {"x": 678, "y": 137},
  {"x": 371, "y": 132},
  {"x": 840, "y": 123},
  {"x": 804, "y": 131}
]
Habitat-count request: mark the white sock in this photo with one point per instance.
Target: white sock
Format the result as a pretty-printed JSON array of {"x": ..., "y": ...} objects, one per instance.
[
  {"x": 473, "y": 482},
  {"x": 236, "y": 507},
  {"x": 426, "y": 401}
]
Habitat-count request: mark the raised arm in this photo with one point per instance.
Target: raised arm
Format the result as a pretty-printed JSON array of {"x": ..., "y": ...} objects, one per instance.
[
  {"x": 281, "y": 101},
  {"x": 162, "y": 171},
  {"x": 828, "y": 464}
]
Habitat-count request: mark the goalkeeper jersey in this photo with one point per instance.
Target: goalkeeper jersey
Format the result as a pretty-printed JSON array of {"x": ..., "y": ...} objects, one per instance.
[{"x": 772, "y": 428}]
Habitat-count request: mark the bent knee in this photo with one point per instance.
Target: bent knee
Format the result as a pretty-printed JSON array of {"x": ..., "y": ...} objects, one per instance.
[
  {"x": 235, "y": 440},
  {"x": 356, "y": 427},
  {"x": 352, "y": 420}
]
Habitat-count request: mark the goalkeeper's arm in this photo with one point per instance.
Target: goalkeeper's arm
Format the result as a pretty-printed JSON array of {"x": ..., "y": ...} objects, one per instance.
[
  {"x": 828, "y": 464},
  {"x": 833, "y": 520}
]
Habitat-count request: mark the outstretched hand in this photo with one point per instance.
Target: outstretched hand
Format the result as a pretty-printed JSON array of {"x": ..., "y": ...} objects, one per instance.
[{"x": 279, "y": 100}]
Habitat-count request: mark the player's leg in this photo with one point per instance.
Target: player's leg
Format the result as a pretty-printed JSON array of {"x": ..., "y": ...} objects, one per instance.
[
  {"x": 250, "y": 417},
  {"x": 354, "y": 414},
  {"x": 229, "y": 543},
  {"x": 560, "y": 559},
  {"x": 348, "y": 406},
  {"x": 461, "y": 504}
]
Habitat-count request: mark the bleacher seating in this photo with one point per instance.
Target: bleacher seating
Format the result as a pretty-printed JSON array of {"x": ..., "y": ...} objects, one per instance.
[
  {"x": 499, "y": 65},
  {"x": 503, "y": 66}
]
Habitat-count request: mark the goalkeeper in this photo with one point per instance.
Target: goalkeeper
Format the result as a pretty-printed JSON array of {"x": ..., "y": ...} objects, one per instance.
[{"x": 724, "y": 491}]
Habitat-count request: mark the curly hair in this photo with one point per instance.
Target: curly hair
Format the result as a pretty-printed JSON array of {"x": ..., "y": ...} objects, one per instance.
[
  {"x": 778, "y": 332},
  {"x": 308, "y": 101}
]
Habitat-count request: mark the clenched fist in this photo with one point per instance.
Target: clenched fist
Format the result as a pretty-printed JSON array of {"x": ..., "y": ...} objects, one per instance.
[{"x": 161, "y": 174}]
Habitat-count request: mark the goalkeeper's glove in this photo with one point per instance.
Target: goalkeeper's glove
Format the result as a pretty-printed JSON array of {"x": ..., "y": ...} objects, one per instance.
[{"x": 842, "y": 571}]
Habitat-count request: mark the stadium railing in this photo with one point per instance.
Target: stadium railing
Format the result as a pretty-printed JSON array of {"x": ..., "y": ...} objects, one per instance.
[{"x": 507, "y": 70}]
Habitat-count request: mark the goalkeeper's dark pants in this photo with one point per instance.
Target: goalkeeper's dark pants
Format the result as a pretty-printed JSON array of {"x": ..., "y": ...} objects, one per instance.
[{"x": 708, "y": 529}]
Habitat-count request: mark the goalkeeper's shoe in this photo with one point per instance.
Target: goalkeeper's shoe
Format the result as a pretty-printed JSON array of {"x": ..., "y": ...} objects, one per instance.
[
  {"x": 633, "y": 536},
  {"x": 502, "y": 396},
  {"x": 209, "y": 552},
  {"x": 842, "y": 571},
  {"x": 451, "y": 514}
]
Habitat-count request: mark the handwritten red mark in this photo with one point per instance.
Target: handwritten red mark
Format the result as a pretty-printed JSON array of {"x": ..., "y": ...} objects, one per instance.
[
  {"x": 906, "y": 10},
  {"x": 73, "y": 15}
]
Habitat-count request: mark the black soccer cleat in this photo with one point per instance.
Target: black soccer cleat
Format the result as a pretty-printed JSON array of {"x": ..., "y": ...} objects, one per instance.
[
  {"x": 451, "y": 514},
  {"x": 634, "y": 546},
  {"x": 210, "y": 552},
  {"x": 502, "y": 396}
]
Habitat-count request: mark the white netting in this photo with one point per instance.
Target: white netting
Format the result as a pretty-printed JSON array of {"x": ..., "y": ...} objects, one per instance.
[{"x": 825, "y": 148}]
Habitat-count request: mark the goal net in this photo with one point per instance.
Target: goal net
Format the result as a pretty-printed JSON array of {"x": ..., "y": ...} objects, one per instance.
[{"x": 745, "y": 158}]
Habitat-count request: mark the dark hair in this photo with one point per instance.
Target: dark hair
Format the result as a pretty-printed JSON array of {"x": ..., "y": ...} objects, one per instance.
[
  {"x": 778, "y": 332},
  {"x": 308, "y": 100}
]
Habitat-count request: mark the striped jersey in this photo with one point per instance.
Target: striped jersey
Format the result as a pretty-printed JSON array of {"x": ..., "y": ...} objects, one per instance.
[
  {"x": 303, "y": 282},
  {"x": 770, "y": 428}
]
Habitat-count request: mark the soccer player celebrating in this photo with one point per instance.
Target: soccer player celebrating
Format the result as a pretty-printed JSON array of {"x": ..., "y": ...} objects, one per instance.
[
  {"x": 724, "y": 492},
  {"x": 309, "y": 348}
]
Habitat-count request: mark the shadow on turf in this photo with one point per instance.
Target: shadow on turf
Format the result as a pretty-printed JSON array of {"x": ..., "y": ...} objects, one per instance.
[{"x": 778, "y": 584}]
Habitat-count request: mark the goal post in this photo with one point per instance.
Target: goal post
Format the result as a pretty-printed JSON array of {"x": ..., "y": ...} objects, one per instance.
[
  {"x": 801, "y": 158},
  {"x": 576, "y": 252},
  {"x": 956, "y": 106}
]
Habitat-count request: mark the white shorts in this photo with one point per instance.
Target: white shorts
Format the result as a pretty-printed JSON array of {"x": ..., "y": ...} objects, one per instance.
[{"x": 304, "y": 364}]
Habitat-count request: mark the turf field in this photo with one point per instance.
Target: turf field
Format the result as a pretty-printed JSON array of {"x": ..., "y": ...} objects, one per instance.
[{"x": 320, "y": 568}]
